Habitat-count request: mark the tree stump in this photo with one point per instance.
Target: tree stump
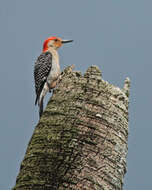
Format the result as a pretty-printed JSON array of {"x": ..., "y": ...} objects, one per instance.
[{"x": 80, "y": 142}]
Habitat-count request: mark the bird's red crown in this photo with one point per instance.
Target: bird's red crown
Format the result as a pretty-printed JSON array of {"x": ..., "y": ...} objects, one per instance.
[{"x": 45, "y": 44}]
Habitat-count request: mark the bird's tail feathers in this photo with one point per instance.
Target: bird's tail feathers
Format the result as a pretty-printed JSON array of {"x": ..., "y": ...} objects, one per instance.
[
  {"x": 41, "y": 97},
  {"x": 41, "y": 107}
]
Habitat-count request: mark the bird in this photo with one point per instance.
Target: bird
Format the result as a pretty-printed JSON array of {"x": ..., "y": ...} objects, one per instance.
[{"x": 47, "y": 69}]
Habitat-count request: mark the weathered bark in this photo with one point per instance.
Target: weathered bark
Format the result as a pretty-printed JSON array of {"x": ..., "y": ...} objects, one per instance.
[{"x": 81, "y": 140}]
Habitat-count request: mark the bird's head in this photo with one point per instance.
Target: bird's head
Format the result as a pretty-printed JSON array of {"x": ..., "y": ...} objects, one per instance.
[{"x": 54, "y": 42}]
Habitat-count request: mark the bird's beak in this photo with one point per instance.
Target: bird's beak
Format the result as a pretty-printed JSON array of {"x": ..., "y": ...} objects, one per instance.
[{"x": 66, "y": 41}]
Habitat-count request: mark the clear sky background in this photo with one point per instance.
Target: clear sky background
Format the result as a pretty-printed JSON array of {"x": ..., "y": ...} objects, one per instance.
[{"x": 115, "y": 35}]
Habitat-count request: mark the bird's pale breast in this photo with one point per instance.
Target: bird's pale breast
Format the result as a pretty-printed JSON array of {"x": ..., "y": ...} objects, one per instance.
[{"x": 55, "y": 70}]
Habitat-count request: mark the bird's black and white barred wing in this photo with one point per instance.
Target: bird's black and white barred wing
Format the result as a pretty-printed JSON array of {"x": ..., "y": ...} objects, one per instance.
[{"x": 41, "y": 71}]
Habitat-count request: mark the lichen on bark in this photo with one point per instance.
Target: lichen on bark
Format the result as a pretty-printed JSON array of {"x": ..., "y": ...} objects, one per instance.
[{"x": 80, "y": 141}]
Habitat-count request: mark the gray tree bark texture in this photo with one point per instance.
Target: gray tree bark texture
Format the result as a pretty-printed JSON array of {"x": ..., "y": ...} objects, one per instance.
[{"x": 80, "y": 142}]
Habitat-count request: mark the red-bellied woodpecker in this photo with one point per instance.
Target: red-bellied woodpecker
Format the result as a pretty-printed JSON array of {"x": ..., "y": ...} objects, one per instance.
[{"x": 47, "y": 69}]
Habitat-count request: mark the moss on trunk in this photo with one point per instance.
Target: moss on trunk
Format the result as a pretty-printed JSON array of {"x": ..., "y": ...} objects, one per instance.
[{"x": 80, "y": 141}]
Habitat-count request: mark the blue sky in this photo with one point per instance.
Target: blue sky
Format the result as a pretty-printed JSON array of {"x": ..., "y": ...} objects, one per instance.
[{"x": 114, "y": 35}]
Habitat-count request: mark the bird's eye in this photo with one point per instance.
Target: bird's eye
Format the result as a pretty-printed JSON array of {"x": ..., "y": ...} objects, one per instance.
[{"x": 56, "y": 40}]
